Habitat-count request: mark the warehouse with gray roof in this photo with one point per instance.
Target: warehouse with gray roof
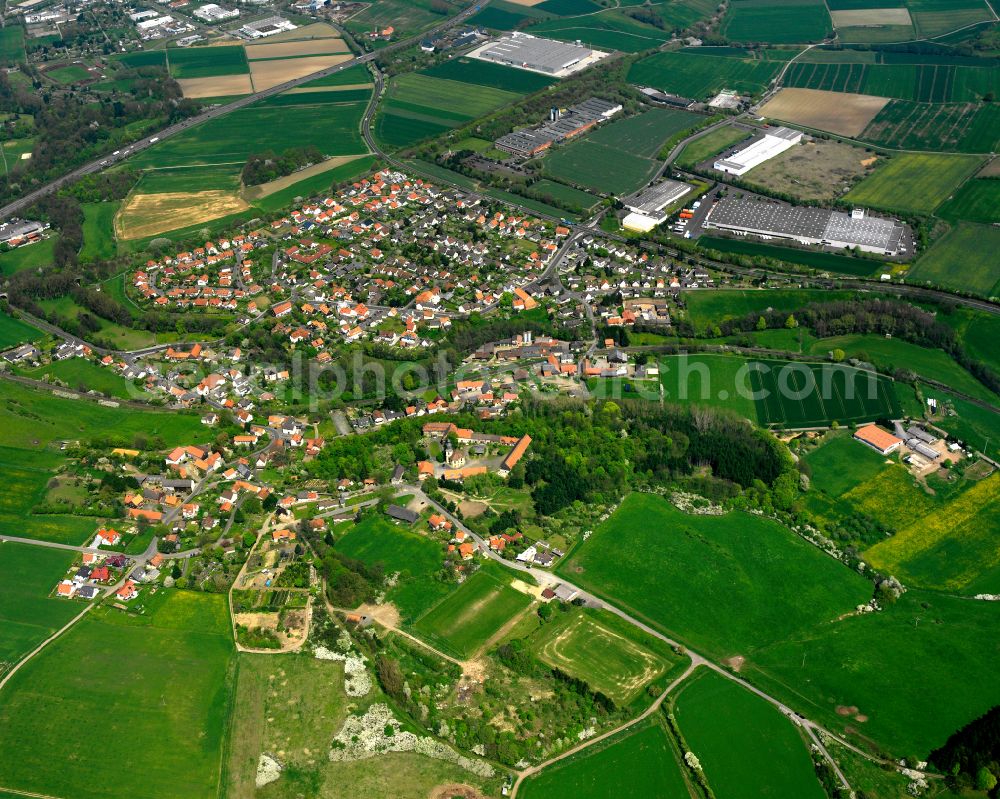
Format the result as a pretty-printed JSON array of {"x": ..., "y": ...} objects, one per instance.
[
  {"x": 768, "y": 218},
  {"x": 524, "y": 51}
]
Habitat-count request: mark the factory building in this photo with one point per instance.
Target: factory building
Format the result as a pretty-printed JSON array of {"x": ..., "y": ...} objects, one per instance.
[
  {"x": 562, "y": 125},
  {"x": 773, "y": 143},
  {"x": 524, "y": 51},
  {"x": 647, "y": 206}
]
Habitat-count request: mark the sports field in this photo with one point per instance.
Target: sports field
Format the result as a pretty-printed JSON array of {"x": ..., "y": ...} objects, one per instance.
[
  {"x": 793, "y": 394},
  {"x": 962, "y": 259},
  {"x": 610, "y": 656},
  {"x": 718, "y": 381},
  {"x": 747, "y": 748},
  {"x": 158, "y": 684},
  {"x": 695, "y": 75},
  {"x": 27, "y": 615},
  {"x": 468, "y": 617},
  {"x": 914, "y": 183},
  {"x": 724, "y": 584},
  {"x": 776, "y": 21},
  {"x": 640, "y": 763},
  {"x": 14, "y": 331},
  {"x": 977, "y": 201}
]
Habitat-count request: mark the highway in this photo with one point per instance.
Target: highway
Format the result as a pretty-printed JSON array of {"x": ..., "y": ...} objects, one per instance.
[{"x": 215, "y": 112}]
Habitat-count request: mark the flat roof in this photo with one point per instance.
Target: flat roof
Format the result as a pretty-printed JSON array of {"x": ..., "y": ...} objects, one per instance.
[
  {"x": 655, "y": 198},
  {"x": 546, "y": 55}
]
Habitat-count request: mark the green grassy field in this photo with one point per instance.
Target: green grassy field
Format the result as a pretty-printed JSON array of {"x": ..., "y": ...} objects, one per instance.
[
  {"x": 12, "y": 152},
  {"x": 640, "y": 763},
  {"x": 12, "y": 44},
  {"x": 963, "y": 260},
  {"x": 406, "y": 16},
  {"x": 468, "y": 617},
  {"x": 14, "y": 331},
  {"x": 315, "y": 185},
  {"x": 484, "y": 73},
  {"x": 598, "y": 167},
  {"x": 977, "y": 201},
  {"x": 801, "y": 395},
  {"x": 608, "y": 29},
  {"x": 30, "y": 256},
  {"x": 607, "y": 653},
  {"x": 841, "y": 463},
  {"x": 565, "y": 194},
  {"x": 645, "y": 133},
  {"x": 950, "y": 548},
  {"x": 32, "y": 419},
  {"x": 71, "y": 73},
  {"x": 80, "y": 374},
  {"x": 777, "y": 21},
  {"x": 712, "y": 143},
  {"x": 27, "y": 615},
  {"x": 890, "y": 354},
  {"x": 160, "y": 685},
  {"x": 706, "y": 308},
  {"x": 99, "y": 231},
  {"x": 816, "y": 259},
  {"x": 719, "y": 381},
  {"x": 859, "y": 665},
  {"x": 747, "y": 748},
  {"x": 914, "y": 183},
  {"x": 415, "y": 557},
  {"x": 207, "y": 62},
  {"x": 698, "y": 76},
  {"x": 724, "y": 584}
]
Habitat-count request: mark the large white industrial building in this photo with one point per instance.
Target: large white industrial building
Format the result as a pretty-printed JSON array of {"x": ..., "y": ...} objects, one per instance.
[
  {"x": 533, "y": 53},
  {"x": 756, "y": 153}
]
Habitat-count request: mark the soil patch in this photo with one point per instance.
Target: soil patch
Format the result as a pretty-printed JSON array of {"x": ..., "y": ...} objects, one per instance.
[
  {"x": 838, "y": 112},
  {"x": 218, "y": 86},
  {"x": 870, "y": 17},
  {"x": 298, "y": 48},
  {"x": 455, "y": 790},
  {"x": 143, "y": 215},
  {"x": 266, "y": 74}
]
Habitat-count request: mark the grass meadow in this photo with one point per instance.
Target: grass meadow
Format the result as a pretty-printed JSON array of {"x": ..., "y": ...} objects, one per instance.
[
  {"x": 964, "y": 259},
  {"x": 14, "y": 331},
  {"x": 746, "y": 746},
  {"x": 914, "y": 182},
  {"x": 840, "y": 463},
  {"x": 81, "y": 374},
  {"x": 705, "y": 308},
  {"x": 977, "y": 201},
  {"x": 467, "y": 618},
  {"x": 710, "y": 144},
  {"x": 415, "y": 557},
  {"x": 711, "y": 380},
  {"x": 98, "y": 231},
  {"x": 697, "y": 76},
  {"x": 816, "y": 259},
  {"x": 639, "y": 763},
  {"x": 27, "y": 614},
  {"x": 159, "y": 684},
  {"x": 31, "y": 256},
  {"x": 723, "y": 584}
]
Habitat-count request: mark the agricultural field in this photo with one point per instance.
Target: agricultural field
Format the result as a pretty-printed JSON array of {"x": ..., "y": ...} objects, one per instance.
[
  {"x": 847, "y": 673},
  {"x": 950, "y": 548},
  {"x": 840, "y": 463},
  {"x": 14, "y": 331},
  {"x": 609, "y": 29},
  {"x": 164, "y": 705},
  {"x": 819, "y": 170},
  {"x": 746, "y": 746},
  {"x": 977, "y": 201},
  {"x": 705, "y": 308},
  {"x": 813, "y": 258},
  {"x": 418, "y": 559},
  {"x": 484, "y": 73},
  {"x": 608, "y": 654},
  {"x": 726, "y": 585},
  {"x": 946, "y": 127},
  {"x": 698, "y": 76},
  {"x": 889, "y": 354},
  {"x": 776, "y": 21},
  {"x": 617, "y": 157},
  {"x": 718, "y": 381},
  {"x": 914, "y": 183},
  {"x": 801, "y": 395},
  {"x": 408, "y": 17},
  {"x": 27, "y": 615},
  {"x": 468, "y": 618},
  {"x": 31, "y": 419},
  {"x": 207, "y": 62},
  {"x": 12, "y": 44},
  {"x": 417, "y": 106},
  {"x": 938, "y": 17},
  {"x": 643, "y": 756},
  {"x": 836, "y": 112},
  {"x": 963, "y": 259}
]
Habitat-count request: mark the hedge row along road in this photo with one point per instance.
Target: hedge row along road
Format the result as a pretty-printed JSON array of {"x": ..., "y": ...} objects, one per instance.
[{"x": 101, "y": 163}]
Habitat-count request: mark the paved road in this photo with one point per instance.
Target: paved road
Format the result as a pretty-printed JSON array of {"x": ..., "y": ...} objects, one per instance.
[{"x": 215, "y": 112}]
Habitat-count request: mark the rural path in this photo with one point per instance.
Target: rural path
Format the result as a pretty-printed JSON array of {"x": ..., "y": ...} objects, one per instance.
[
  {"x": 523, "y": 775},
  {"x": 215, "y": 112},
  {"x": 44, "y": 644}
]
